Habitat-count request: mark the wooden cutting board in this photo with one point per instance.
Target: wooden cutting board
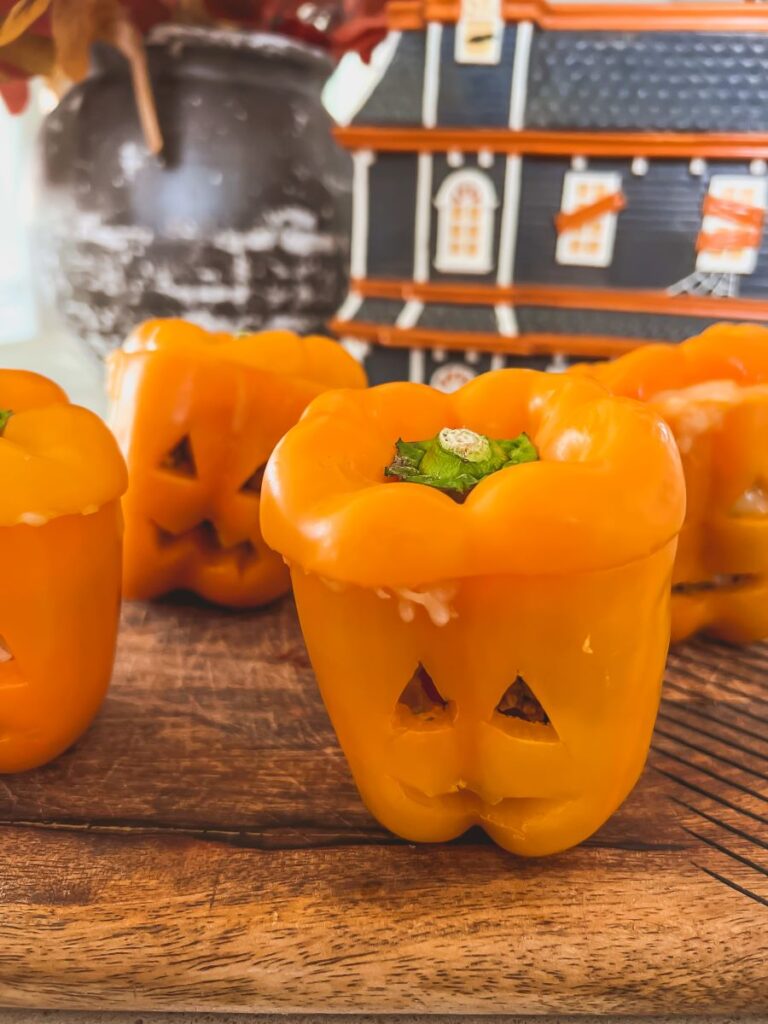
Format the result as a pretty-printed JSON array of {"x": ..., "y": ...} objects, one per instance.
[{"x": 204, "y": 848}]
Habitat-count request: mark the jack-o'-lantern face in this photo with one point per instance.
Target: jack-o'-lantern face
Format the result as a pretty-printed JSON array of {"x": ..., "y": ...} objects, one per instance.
[
  {"x": 496, "y": 660},
  {"x": 197, "y": 416},
  {"x": 721, "y": 575},
  {"x": 51, "y": 689},
  {"x": 61, "y": 477},
  {"x": 713, "y": 392},
  {"x": 192, "y": 510},
  {"x": 526, "y": 706}
]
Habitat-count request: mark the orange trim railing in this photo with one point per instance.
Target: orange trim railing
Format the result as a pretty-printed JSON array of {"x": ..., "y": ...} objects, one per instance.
[
  {"x": 737, "y": 145},
  {"x": 590, "y": 211},
  {"x": 563, "y": 297},
  {"x": 647, "y": 17},
  {"x": 528, "y": 344}
]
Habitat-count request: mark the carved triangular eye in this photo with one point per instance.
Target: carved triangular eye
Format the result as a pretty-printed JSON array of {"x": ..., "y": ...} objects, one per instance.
[
  {"x": 164, "y": 537},
  {"x": 180, "y": 459},
  {"x": 5, "y": 651},
  {"x": 253, "y": 484},
  {"x": 420, "y": 696},
  {"x": 519, "y": 701}
]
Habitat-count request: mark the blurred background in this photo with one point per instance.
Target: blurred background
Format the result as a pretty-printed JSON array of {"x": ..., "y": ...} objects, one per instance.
[{"x": 50, "y": 320}]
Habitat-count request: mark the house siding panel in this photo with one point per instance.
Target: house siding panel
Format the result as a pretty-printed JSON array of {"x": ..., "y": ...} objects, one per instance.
[
  {"x": 396, "y": 99},
  {"x": 379, "y": 311},
  {"x": 450, "y": 317},
  {"x": 392, "y": 214},
  {"x": 441, "y": 170},
  {"x": 385, "y": 364},
  {"x": 475, "y": 95},
  {"x": 653, "y": 326},
  {"x": 655, "y": 233},
  {"x": 662, "y": 81}
]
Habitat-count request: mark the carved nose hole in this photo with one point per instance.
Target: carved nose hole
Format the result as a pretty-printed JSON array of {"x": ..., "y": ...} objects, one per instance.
[
  {"x": 244, "y": 552},
  {"x": 421, "y": 703},
  {"x": 719, "y": 582},
  {"x": 5, "y": 651},
  {"x": 164, "y": 537},
  {"x": 521, "y": 713},
  {"x": 206, "y": 537},
  {"x": 753, "y": 502},
  {"x": 253, "y": 484},
  {"x": 180, "y": 459}
]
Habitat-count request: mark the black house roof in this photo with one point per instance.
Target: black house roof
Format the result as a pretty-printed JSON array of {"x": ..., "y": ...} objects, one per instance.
[{"x": 681, "y": 81}]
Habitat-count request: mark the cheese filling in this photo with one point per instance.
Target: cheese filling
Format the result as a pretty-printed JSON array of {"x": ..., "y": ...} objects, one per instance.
[
  {"x": 436, "y": 602},
  {"x": 753, "y": 502},
  {"x": 723, "y": 581},
  {"x": 699, "y": 409}
]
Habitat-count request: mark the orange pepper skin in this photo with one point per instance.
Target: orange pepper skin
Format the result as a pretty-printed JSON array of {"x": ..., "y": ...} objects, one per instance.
[
  {"x": 724, "y": 449},
  {"x": 227, "y": 400},
  {"x": 61, "y": 552},
  {"x": 556, "y": 571}
]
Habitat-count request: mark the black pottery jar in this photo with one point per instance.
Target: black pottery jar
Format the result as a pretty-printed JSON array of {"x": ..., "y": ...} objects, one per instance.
[{"x": 241, "y": 223}]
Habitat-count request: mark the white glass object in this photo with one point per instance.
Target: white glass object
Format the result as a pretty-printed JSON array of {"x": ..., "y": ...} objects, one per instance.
[{"x": 18, "y": 320}]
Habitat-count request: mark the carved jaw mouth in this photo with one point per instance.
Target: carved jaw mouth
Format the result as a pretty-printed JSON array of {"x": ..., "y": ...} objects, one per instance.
[
  {"x": 505, "y": 811},
  {"x": 464, "y": 797},
  {"x": 719, "y": 582},
  {"x": 205, "y": 538}
]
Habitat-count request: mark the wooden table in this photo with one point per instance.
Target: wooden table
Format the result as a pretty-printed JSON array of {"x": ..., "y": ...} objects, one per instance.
[{"x": 204, "y": 848}]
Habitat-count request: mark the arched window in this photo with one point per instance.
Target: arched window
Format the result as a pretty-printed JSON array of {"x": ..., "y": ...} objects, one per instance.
[{"x": 466, "y": 206}]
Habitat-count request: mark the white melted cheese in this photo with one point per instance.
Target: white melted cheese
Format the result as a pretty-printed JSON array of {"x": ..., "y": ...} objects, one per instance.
[
  {"x": 5, "y": 654},
  {"x": 32, "y": 519},
  {"x": 700, "y": 408},
  {"x": 753, "y": 502},
  {"x": 335, "y": 585},
  {"x": 436, "y": 602}
]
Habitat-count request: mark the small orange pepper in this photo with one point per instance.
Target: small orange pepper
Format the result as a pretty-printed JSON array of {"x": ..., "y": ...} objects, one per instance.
[
  {"x": 197, "y": 415},
  {"x": 61, "y": 477},
  {"x": 713, "y": 392},
  {"x": 492, "y": 655}
]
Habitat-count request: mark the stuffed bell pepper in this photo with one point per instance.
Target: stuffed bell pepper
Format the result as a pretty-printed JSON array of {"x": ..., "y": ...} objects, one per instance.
[
  {"x": 713, "y": 393},
  {"x": 482, "y": 581},
  {"x": 197, "y": 415},
  {"x": 61, "y": 477}
]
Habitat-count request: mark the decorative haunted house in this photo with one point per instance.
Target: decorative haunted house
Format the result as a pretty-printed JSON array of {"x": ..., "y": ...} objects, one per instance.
[{"x": 537, "y": 183}]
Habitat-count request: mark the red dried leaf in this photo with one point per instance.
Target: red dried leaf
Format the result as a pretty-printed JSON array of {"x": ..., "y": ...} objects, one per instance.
[
  {"x": 361, "y": 35},
  {"x": 15, "y": 94},
  {"x": 146, "y": 13},
  {"x": 243, "y": 11}
]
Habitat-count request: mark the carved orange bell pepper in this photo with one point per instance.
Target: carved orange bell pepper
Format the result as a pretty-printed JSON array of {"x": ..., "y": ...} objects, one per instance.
[
  {"x": 490, "y": 652},
  {"x": 61, "y": 477},
  {"x": 197, "y": 415},
  {"x": 713, "y": 392}
]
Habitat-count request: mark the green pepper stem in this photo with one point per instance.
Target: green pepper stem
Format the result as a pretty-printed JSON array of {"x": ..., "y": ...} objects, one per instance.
[
  {"x": 456, "y": 460},
  {"x": 5, "y": 415}
]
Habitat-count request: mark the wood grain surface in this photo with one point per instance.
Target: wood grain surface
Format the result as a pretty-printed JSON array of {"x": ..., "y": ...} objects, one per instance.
[{"x": 203, "y": 847}]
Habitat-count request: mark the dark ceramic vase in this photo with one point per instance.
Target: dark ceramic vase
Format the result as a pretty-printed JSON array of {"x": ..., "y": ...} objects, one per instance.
[{"x": 243, "y": 221}]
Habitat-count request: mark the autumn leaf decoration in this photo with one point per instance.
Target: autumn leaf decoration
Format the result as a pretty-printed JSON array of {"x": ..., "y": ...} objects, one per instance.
[
  {"x": 44, "y": 37},
  {"x": 53, "y": 38}
]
